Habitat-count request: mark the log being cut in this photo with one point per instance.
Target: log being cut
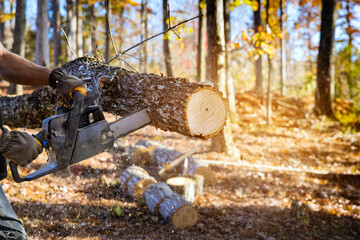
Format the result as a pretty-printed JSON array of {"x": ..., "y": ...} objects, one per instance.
[{"x": 173, "y": 104}]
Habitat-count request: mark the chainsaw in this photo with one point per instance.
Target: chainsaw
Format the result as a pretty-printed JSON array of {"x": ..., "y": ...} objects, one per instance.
[{"x": 79, "y": 132}]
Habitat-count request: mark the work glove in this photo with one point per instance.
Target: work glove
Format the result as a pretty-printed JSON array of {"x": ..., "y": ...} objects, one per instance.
[
  {"x": 66, "y": 84},
  {"x": 19, "y": 147}
]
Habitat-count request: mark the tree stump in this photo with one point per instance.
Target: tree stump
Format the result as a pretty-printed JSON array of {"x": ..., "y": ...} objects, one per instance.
[
  {"x": 178, "y": 211},
  {"x": 183, "y": 186}
]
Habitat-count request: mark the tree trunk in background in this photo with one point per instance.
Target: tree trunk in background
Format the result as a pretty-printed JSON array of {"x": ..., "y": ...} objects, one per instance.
[
  {"x": 324, "y": 94},
  {"x": 283, "y": 49},
  {"x": 56, "y": 32},
  {"x": 268, "y": 94},
  {"x": 229, "y": 80},
  {"x": 92, "y": 47},
  {"x": 71, "y": 27},
  {"x": 258, "y": 62},
  {"x": 19, "y": 39},
  {"x": 216, "y": 66},
  {"x": 144, "y": 35},
  {"x": 42, "y": 38},
  {"x": 167, "y": 49},
  {"x": 2, "y": 24},
  {"x": 201, "y": 42},
  {"x": 107, "y": 30},
  {"x": 79, "y": 29}
]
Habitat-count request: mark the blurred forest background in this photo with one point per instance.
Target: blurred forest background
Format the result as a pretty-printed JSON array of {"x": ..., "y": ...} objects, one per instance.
[{"x": 290, "y": 70}]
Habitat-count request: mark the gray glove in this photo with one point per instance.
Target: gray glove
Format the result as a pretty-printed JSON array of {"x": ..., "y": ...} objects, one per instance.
[
  {"x": 65, "y": 83},
  {"x": 19, "y": 147}
]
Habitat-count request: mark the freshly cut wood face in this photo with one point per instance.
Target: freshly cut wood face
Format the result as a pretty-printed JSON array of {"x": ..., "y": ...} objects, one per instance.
[
  {"x": 179, "y": 181},
  {"x": 206, "y": 113}
]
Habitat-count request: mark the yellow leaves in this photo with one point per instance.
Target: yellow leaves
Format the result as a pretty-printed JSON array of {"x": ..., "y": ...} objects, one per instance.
[
  {"x": 236, "y": 45},
  {"x": 6, "y": 16},
  {"x": 92, "y": 2},
  {"x": 244, "y": 36}
]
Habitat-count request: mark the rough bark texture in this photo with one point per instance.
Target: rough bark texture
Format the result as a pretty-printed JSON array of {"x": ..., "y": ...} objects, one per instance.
[
  {"x": 167, "y": 49},
  {"x": 258, "y": 62},
  {"x": 138, "y": 184},
  {"x": 323, "y": 96},
  {"x": 122, "y": 92},
  {"x": 42, "y": 38},
  {"x": 128, "y": 174},
  {"x": 155, "y": 194},
  {"x": 56, "y": 32}
]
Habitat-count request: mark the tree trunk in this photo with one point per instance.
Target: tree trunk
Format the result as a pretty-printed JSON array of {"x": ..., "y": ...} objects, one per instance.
[
  {"x": 19, "y": 39},
  {"x": 268, "y": 94},
  {"x": 79, "y": 29},
  {"x": 174, "y": 104},
  {"x": 229, "y": 81},
  {"x": 167, "y": 49},
  {"x": 2, "y": 24},
  {"x": 92, "y": 46},
  {"x": 56, "y": 32},
  {"x": 201, "y": 42},
  {"x": 107, "y": 30},
  {"x": 216, "y": 66},
  {"x": 258, "y": 62},
  {"x": 283, "y": 49},
  {"x": 144, "y": 35},
  {"x": 324, "y": 94},
  {"x": 71, "y": 29},
  {"x": 42, "y": 39}
]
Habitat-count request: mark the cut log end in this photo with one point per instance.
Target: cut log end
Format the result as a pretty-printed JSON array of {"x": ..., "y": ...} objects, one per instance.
[
  {"x": 208, "y": 174},
  {"x": 206, "y": 113},
  {"x": 141, "y": 187},
  {"x": 185, "y": 216}
]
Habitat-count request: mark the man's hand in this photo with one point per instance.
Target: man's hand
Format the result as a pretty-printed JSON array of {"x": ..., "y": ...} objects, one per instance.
[
  {"x": 19, "y": 147},
  {"x": 65, "y": 83}
]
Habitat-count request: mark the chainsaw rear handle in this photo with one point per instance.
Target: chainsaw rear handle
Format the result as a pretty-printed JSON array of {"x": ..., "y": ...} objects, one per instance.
[{"x": 53, "y": 165}]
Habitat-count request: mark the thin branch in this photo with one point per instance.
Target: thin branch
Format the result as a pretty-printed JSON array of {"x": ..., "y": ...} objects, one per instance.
[
  {"x": 67, "y": 41},
  {"x": 169, "y": 23},
  {"x": 108, "y": 22},
  {"x": 136, "y": 45}
]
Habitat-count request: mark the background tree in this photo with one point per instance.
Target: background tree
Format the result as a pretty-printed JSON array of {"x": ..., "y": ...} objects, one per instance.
[
  {"x": 2, "y": 21},
  {"x": 71, "y": 26},
  {"x": 216, "y": 66},
  {"x": 144, "y": 35},
  {"x": 92, "y": 30},
  {"x": 258, "y": 61},
  {"x": 79, "y": 29},
  {"x": 42, "y": 41},
  {"x": 282, "y": 49},
  {"x": 324, "y": 87},
  {"x": 19, "y": 39},
  {"x": 166, "y": 42},
  {"x": 107, "y": 29},
  {"x": 200, "y": 66},
  {"x": 56, "y": 37}
]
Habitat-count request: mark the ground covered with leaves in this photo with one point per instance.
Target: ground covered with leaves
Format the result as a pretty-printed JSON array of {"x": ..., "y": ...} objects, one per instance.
[{"x": 298, "y": 178}]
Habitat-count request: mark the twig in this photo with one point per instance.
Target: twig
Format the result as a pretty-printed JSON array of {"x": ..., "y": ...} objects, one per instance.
[
  {"x": 168, "y": 12},
  {"x": 67, "y": 41},
  {"x": 101, "y": 54},
  {"x": 136, "y": 45}
]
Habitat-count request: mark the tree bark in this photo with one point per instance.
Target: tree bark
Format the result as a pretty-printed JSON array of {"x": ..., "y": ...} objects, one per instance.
[
  {"x": 324, "y": 94},
  {"x": 144, "y": 35},
  {"x": 92, "y": 30},
  {"x": 268, "y": 94},
  {"x": 216, "y": 66},
  {"x": 229, "y": 81},
  {"x": 19, "y": 39},
  {"x": 56, "y": 32},
  {"x": 258, "y": 62},
  {"x": 201, "y": 42},
  {"x": 71, "y": 29},
  {"x": 2, "y": 24},
  {"x": 283, "y": 49},
  {"x": 42, "y": 39},
  {"x": 79, "y": 29},
  {"x": 167, "y": 49},
  {"x": 174, "y": 104}
]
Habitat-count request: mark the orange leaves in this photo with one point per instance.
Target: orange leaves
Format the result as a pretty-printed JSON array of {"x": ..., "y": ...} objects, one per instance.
[{"x": 244, "y": 36}]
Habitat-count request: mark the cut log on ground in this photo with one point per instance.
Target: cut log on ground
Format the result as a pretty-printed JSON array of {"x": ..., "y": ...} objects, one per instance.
[
  {"x": 173, "y": 104},
  {"x": 178, "y": 211},
  {"x": 154, "y": 196},
  {"x": 138, "y": 184},
  {"x": 163, "y": 156},
  {"x": 128, "y": 174},
  {"x": 183, "y": 186}
]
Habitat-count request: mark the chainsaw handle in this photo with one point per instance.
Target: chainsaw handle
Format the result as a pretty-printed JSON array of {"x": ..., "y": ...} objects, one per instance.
[{"x": 51, "y": 167}]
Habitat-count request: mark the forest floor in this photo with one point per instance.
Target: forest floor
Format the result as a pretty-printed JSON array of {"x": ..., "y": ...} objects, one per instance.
[{"x": 298, "y": 178}]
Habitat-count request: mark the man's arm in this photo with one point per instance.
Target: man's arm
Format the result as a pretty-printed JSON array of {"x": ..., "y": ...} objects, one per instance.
[{"x": 16, "y": 69}]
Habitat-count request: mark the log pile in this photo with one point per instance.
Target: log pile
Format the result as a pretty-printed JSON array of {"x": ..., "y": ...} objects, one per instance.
[
  {"x": 147, "y": 153},
  {"x": 173, "y": 104},
  {"x": 159, "y": 198}
]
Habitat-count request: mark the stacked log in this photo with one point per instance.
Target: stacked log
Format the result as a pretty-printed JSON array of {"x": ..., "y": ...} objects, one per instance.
[
  {"x": 155, "y": 153},
  {"x": 135, "y": 181}
]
